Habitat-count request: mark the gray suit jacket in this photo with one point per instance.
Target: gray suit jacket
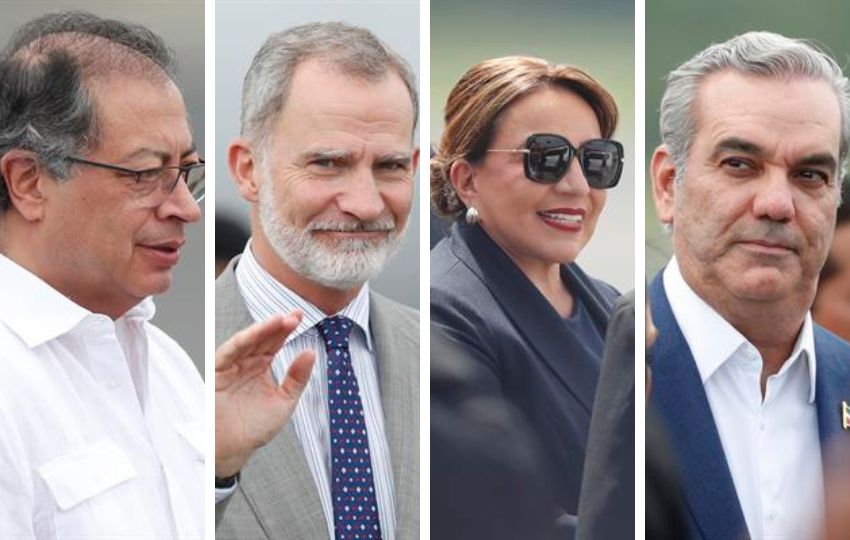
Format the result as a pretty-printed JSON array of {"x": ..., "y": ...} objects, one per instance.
[{"x": 277, "y": 498}]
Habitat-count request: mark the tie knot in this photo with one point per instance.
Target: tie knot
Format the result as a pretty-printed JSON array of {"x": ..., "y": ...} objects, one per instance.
[{"x": 335, "y": 331}]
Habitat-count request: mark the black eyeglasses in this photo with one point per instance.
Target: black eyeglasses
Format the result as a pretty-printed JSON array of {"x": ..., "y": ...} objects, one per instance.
[
  {"x": 165, "y": 178},
  {"x": 548, "y": 158}
]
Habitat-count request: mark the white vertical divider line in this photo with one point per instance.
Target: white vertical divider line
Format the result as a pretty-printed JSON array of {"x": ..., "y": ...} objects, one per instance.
[
  {"x": 640, "y": 266},
  {"x": 209, "y": 267},
  {"x": 425, "y": 269}
]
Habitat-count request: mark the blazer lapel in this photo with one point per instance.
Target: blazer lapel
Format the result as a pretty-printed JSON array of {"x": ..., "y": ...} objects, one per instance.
[
  {"x": 679, "y": 397},
  {"x": 277, "y": 482},
  {"x": 281, "y": 491},
  {"x": 397, "y": 356},
  {"x": 832, "y": 387},
  {"x": 565, "y": 354}
]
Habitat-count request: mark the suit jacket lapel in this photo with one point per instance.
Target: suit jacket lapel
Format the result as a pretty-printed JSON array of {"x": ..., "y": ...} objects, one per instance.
[
  {"x": 832, "y": 387},
  {"x": 277, "y": 482},
  {"x": 397, "y": 356},
  {"x": 281, "y": 491},
  {"x": 567, "y": 356},
  {"x": 679, "y": 397}
]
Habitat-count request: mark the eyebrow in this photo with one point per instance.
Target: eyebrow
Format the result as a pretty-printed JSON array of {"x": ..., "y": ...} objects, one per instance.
[
  {"x": 189, "y": 151},
  {"x": 819, "y": 160},
  {"x": 324, "y": 153},
  {"x": 736, "y": 144},
  {"x": 164, "y": 156},
  {"x": 401, "y": 158}
]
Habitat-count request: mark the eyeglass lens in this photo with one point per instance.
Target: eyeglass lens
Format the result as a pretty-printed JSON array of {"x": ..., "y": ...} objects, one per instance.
[
  {"x": 195, "y": 182},
  {"x": 549, "y": 158}
]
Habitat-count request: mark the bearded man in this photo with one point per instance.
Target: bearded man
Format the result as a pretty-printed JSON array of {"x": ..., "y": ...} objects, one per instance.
[{"x": 326, "y": 160}]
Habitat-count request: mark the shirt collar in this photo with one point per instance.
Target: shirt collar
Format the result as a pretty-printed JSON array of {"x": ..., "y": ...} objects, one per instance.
[
  {"x": 37, "y": 312},
  {"x": 265, "y": 296},
  {"x": 713, "y": 341}
]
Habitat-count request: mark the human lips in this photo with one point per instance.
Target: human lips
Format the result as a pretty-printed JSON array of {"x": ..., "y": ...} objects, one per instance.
[
  {"x": 770, "y": 247},
  {"x": 564, "y": 219},
  {"x": 163, "y": 252}
]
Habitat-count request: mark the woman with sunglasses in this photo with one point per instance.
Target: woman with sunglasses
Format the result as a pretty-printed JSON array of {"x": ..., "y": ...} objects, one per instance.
[{"x": 522, "y": 167}]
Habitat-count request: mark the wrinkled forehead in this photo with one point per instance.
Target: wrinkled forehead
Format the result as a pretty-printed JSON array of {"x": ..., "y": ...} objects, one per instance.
[
  {"x": 326, "y": 108},
  {"x": 134, "y": 113},
  {"x": 794, "y": 112}
]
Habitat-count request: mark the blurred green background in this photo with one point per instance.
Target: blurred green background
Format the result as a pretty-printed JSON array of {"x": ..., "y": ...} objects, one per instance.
[
  {"x": 678, "y": 29},
  {"x": 597, "y": 36}
]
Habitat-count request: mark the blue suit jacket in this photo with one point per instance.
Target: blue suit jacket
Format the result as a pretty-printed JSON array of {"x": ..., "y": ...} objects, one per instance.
[
  {"x": 526, "y": 352},
  {"x": 714, "y": 512}
]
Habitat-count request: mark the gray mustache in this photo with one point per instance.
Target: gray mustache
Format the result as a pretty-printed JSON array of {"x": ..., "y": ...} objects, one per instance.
[{"x": 383, "y": 225}]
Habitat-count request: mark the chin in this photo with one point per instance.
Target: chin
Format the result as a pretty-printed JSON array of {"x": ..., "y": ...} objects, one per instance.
[
  {"x": 154, "y": 284},
  {"x": 763, "y": 284},
  {"x": 567, "y": 254}
]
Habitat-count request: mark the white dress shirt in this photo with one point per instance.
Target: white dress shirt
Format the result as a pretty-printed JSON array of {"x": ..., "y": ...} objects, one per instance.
[
  {"x": 264, "y": 296},
  {"x": 101, "y": 421},
  {"x": 771, "y": 444}
]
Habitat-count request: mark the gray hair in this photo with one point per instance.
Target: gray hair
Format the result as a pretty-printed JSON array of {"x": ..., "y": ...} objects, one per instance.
[
  {"x": 763, "y": 54},
  {"x": 354, "y": 51},
  {"x": 45, "y": 105}
]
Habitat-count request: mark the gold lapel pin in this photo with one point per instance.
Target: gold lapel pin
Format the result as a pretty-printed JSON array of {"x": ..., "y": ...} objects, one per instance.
[{"x": 845, "y": 415}]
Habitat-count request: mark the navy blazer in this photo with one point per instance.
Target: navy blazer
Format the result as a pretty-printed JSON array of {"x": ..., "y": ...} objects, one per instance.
[
  {"x": 487, "y": 306},
  {"x": 713, "y": 509}
]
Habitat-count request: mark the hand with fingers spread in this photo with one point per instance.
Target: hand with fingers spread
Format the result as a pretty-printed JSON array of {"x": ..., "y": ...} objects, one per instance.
[{"x": 250, "y": 407}]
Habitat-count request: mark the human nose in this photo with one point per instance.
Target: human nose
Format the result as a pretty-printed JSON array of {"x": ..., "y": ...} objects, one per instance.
[
  {"x": 573, "y": 182},
  {"x": 774, "y": 198},
  {"x": 180, "y": 204},
  {"x": 361, "y": 197}
]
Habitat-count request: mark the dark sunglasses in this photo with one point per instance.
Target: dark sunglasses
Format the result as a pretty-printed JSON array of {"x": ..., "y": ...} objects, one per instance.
[{"x": 548, "y": 158}]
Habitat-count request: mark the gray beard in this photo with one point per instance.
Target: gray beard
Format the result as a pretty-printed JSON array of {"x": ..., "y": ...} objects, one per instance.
[{"x": 345, "y": 264}]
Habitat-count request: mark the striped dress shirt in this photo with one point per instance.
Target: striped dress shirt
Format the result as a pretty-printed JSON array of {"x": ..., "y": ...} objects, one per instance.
[{"x": 264, "y": 296}]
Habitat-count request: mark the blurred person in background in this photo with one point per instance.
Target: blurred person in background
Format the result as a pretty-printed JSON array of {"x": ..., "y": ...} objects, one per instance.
[
  {"x": 755, "y": 134},
  {"x": 522, "y": 168},
  {"x": 101, "y": 413},
  {"x": 230, "y": 239},
  {"x": 607, "y": 503},
  {"x": 483, "y": 451},
  {"x": 832, "y": 302}
]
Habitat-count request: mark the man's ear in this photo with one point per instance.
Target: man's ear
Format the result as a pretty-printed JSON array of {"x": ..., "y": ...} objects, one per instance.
[
  {"x": 462, "y": 177},
  {"x": 242, "y": 161},
  {"x": 663, "y": 171},
  {"x": 25, "y": 178}
]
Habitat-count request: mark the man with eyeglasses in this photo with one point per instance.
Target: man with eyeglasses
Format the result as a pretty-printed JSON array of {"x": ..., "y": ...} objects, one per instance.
[
  {"x": 101, "y": 413},
  {"x": 755, "y": 134},
  {"x": 327, "y": 160}
]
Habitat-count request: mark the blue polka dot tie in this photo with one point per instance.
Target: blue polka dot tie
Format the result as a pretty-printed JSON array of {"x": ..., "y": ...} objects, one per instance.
[{"x": 352, "y": 485}]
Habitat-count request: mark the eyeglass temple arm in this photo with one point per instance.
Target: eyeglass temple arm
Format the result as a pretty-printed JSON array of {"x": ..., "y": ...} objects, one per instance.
[{"x": 525, "y": 150}]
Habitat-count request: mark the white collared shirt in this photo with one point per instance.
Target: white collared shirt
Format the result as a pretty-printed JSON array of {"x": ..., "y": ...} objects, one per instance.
[
  {"x": 101, "y": 421},
  {"x": 772, "y": 445},
  {"x": 264, "y": 296}
]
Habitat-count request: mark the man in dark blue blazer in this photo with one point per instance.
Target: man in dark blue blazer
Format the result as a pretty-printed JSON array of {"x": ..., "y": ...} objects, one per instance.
[{"x": 750, "y": 390}]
